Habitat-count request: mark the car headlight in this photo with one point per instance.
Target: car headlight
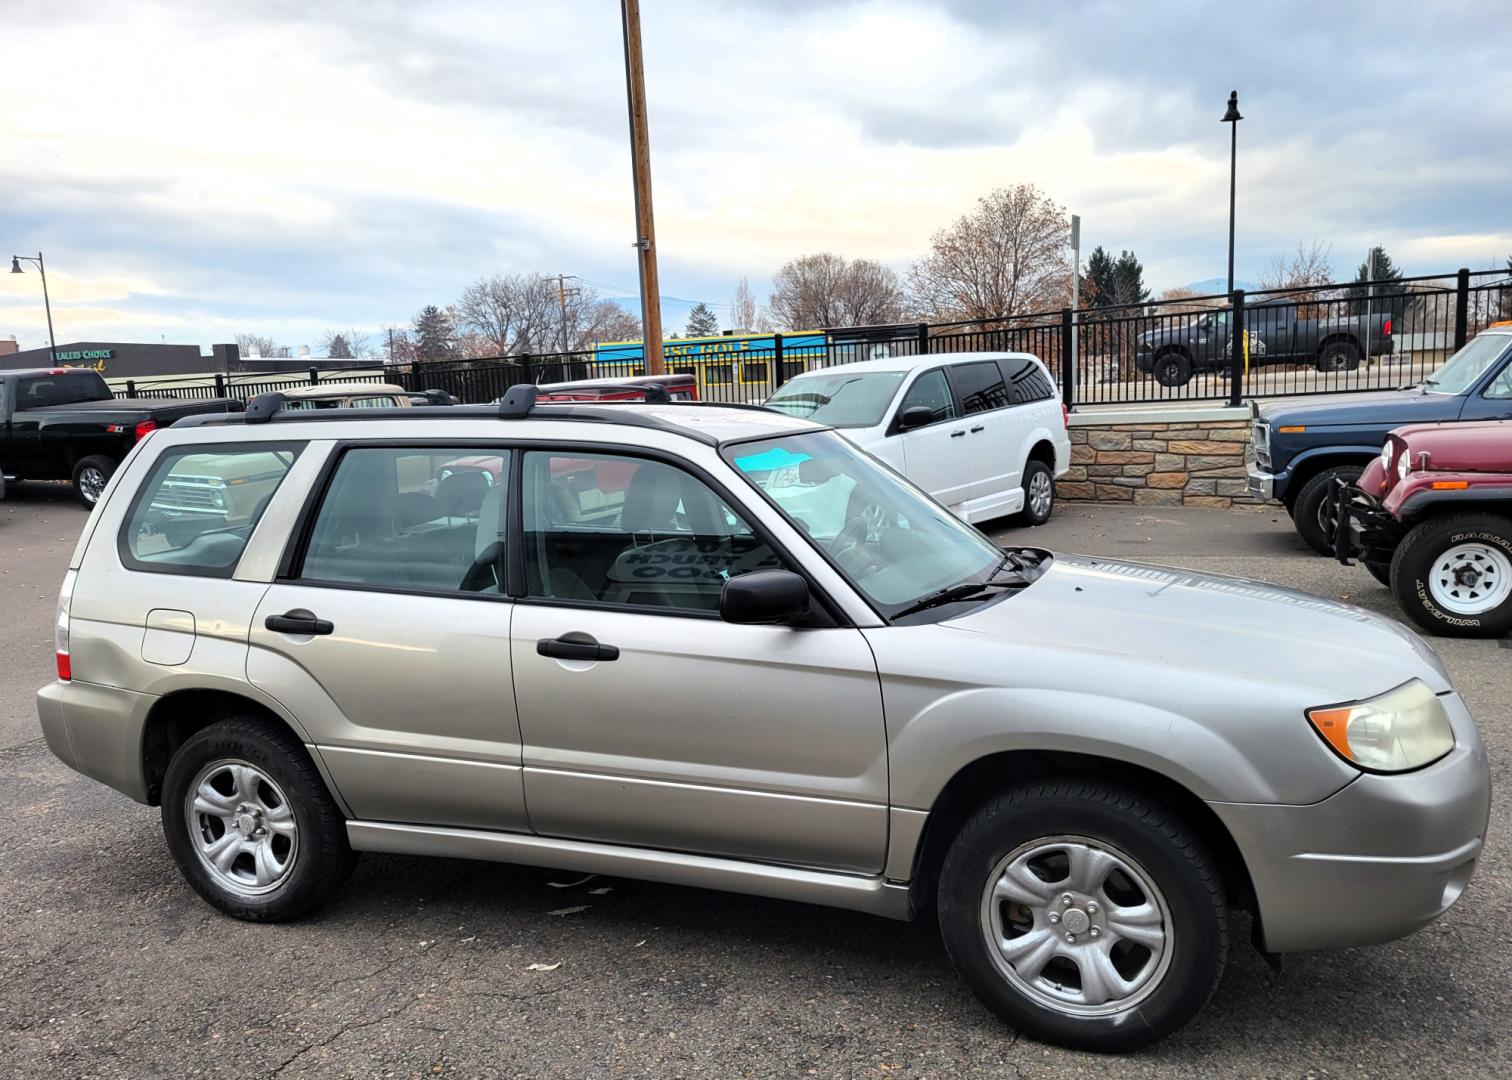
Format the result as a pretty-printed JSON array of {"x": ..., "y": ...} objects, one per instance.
[
  {"x": 1404, "y": 465},
  {"x": 1403, "y": 729},
  {"x": 1386, "y": 457}
]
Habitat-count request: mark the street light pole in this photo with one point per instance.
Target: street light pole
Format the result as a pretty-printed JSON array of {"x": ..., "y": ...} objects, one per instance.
[
  {"x": 1232, "y": 118},
  {"x": 52, "y": 342}
]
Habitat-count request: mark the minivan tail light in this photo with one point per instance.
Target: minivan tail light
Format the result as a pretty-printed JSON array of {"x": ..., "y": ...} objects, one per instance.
[
  {"x": 1065, "y": 415},
  {"x": 1386, "y": 327},
  {"x": 60, "y": 628},
  {"x": 145, "y": 428}
]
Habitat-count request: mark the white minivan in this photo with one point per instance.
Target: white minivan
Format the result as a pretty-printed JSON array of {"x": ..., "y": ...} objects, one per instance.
[{"x": 984, "y": 433}]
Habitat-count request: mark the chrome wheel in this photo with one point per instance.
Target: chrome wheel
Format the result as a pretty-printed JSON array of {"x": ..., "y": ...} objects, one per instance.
[
  {"x": 91, "y": 483},
  {"x": 1076, "y": 926},
  {"x": 241, "y": 826},
  {"x": 1041, "y": 494},
  {"x": 1471, "y": 579}
]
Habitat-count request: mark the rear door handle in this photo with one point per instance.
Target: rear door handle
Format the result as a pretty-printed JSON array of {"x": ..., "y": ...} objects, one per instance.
[
  {"x": 957, "y": 434},
  {"x": 575, "y": 650},
  {"x": 298, "y": 621},
  {"x": 979, "y": 427}
]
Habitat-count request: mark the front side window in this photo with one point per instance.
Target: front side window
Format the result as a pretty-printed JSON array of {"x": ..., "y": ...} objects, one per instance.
[
  {"x": 199, "y": 506},
  {"x": 980, "y": 386},
  {"x": 891, "y": 540},
  {"x": 419, "y": 519},
  {"x": 930, "y": 391},
  {"x": 613, "y": 529},
  {"x": 838, "y": 398}
]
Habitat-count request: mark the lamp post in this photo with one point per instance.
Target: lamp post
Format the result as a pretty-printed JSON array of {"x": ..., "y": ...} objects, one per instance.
[
  {"x": 16, "y": 260},
  {"x": 1232, "y": 118}
]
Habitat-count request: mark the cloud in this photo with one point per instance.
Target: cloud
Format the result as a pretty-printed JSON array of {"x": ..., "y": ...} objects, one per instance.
[{"x": 299, "y": 164}]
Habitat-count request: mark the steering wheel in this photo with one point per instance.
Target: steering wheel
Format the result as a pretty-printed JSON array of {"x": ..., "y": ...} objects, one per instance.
[{"x": 849, "y": 546}]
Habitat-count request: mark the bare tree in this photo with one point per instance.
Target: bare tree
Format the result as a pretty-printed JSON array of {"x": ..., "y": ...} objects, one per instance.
[
  {"x": 825, "y": 290},
  {"x": 1309, "y": 266},
  {"x": 1006, "y": 257},
  {"x": 743, "y": 307},
  {"x": 516, "y": 314},
  {"x": 260, "y": 344}
]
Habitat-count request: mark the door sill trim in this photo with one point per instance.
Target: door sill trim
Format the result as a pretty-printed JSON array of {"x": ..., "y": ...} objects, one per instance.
[{"x": 872, "y": 895}]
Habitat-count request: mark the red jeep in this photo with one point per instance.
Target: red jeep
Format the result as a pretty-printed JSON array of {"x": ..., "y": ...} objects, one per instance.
[{"x": 1432, "y": 518}]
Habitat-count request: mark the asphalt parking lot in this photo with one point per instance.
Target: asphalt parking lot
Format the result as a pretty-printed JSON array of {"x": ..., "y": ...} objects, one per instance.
[{"x": 110, "y": 966}]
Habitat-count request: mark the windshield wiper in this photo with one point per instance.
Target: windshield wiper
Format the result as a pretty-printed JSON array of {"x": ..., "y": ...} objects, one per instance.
[{"x": 952, "y": 593}]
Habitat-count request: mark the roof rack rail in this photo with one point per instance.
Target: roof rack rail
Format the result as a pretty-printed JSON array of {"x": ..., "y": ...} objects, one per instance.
[
  {"x": 517, "y": 402},
  {"x": 262, "y": 407}
]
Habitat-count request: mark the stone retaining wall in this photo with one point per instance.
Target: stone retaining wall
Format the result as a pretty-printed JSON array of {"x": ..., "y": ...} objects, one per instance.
[{"x": 1158, "y": 464}]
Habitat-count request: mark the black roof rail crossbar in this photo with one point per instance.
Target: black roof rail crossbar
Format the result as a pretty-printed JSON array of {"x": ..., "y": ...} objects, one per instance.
[
  {"x": 262, "y": 407},
  {"x": 517, "y": 402}
]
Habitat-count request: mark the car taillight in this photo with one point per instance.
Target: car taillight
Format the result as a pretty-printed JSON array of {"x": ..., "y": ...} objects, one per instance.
[
  {"x": 1065, "y": 415},
  {"x": 60, "y": 629},
  {"x": 145, "y": 428},
  {"x": 1386, "y": 327}
]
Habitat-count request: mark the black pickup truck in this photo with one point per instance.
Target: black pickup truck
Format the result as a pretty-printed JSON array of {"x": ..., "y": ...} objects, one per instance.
[
  {"x": 1334, "y": 342},
  {"x": 65, "y": 424}
]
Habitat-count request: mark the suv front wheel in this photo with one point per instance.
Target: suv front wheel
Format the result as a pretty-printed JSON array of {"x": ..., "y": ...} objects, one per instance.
[
  {"x": 250, "y": 822},
  {"x": 1453, "y": 575},
  {"x": 1084, "y": 915}
]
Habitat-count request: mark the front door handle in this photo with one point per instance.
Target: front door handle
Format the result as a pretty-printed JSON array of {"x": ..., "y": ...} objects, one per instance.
[
  {"x": 298, "y": 621},
  {"x": 979, "y": 427},
  {"x": 575, "y": 650},
  {"x": 957, "y": 434}
]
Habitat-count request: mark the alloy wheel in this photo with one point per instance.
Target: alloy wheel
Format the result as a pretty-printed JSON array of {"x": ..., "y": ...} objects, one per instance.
[
  {"x": 242, "y": 827},
  {"x": 1077, "y": 926}
]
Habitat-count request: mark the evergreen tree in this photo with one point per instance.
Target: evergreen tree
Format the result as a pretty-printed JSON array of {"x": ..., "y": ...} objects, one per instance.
[
  {"x": 1378, "y": 268},
  {"x": 338, "y": 349},
  {"x": 1097, "y": 288},
  {"x": 434, "y": 335},
  {"x": 1128, "y": 280},
  {"x": 702, "y": 322}
]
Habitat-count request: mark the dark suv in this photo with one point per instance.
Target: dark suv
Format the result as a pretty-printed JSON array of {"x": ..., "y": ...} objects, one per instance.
[{"x": 1301, "y": 447}]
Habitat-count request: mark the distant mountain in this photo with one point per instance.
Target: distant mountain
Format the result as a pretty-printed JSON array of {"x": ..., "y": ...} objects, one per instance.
[{"x": 1210, "y": 286}]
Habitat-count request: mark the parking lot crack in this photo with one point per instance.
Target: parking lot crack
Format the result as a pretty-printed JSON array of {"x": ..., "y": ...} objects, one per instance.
[{"x": 355, "y": 1025}]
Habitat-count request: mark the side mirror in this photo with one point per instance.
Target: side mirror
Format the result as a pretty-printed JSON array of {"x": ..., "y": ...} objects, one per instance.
[
  {"x": 764, "y": 596},
  {"x": 915, "y": 416}
]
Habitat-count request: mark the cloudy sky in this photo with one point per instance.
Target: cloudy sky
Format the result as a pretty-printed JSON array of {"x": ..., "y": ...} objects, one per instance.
[{"x": 192, "y": 170}]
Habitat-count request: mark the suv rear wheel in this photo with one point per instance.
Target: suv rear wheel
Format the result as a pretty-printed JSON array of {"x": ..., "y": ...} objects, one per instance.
[
  {"x": 250, "y": 822},
  {"x": 1314, "y": 512},
  {"x": 1084, "y": 915},
  {"x": 1453, "y": 575}
]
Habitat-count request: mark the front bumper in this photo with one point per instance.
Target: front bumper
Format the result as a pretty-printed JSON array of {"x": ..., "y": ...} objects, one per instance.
[
  {"x": 1376, "y": 861},
  {"x": 1362, "y": 528},
  {"x": 1262, "y": 484}
]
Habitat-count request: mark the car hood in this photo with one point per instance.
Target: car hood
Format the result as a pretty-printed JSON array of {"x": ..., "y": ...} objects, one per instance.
[
  {"x": 1484, "y": 447},
  {"x": 1387, "y": 407},
  {"x": 1179, "y": 621}
]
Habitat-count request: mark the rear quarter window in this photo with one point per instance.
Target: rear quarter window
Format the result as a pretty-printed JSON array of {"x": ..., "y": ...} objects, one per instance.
[{"x": 199, "y": 505}]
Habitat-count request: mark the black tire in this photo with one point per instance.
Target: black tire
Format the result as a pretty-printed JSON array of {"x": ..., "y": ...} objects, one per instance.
[
  {"x": 1314, "y": 513},
  {"x": 1172, "y": 369},
  {"x": 89, "y": 477},
  {"x": 1114, "y": 819},
  {"x": 322, "y": 860},
  {"x": 1036, "y": 472},
  {"x": 1339, "y": 356},
  {"x": 1413, "y": 566},
  {"x": 1380, "y": 571}
]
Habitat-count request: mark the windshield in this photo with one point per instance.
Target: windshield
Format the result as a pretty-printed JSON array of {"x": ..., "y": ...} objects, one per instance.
[
  {"x": 1461, "y": 370},
  {"x": 891, "y": 540},
  {"x": 838, "y": 398}
]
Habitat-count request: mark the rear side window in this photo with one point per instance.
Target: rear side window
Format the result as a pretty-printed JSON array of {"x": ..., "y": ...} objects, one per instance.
[
  {"x": 44, "y": 390},
  {"x": 419, "y": 519},
  {"x": 199, "y": 506},
  {"x": 1026, "y": 382},
  {"x": 980, "y": 386}
]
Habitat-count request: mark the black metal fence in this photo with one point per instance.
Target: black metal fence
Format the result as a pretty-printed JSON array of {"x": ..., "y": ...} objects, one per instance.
[
  {"x": 243, "y": 386},
  {"x": 1309, "y": 340}
]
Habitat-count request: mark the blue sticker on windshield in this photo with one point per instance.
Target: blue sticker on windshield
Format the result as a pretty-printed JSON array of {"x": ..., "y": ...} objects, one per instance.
[{"x": 775, "y": 458}]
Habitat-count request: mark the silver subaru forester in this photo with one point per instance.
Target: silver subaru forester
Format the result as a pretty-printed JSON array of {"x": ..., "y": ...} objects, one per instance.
[{"x": 722, "y": 647}]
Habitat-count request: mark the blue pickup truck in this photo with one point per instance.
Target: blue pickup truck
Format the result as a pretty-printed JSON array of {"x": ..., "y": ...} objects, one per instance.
[{"x": 1298, "y": 448}]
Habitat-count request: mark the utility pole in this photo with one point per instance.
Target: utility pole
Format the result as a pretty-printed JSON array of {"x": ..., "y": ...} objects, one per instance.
[
  {"x": 1075, "y": 283},
  {"x": 562, "y": 293},
  {"x": 640, "y": 167}
]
